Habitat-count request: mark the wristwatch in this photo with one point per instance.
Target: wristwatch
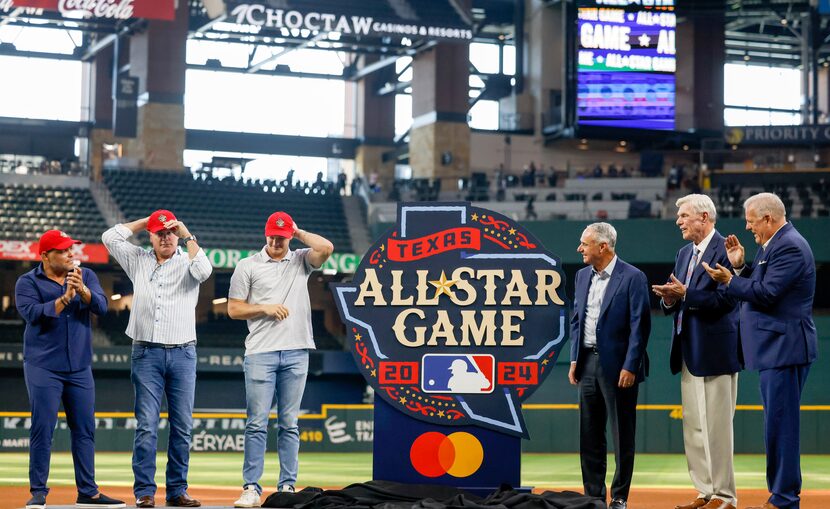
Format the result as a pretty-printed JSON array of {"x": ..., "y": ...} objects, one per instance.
[{"x": 188, "y": 239}]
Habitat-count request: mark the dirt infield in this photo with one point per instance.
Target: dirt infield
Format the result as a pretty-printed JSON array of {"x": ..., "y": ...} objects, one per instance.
[{"x": 14, "y": 497}]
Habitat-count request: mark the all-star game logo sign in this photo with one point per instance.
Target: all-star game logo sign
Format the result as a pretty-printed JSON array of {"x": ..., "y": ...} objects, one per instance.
[{"x": 456, "y": 315}]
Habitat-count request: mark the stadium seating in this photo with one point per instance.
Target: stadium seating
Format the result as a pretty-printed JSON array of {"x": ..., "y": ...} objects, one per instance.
[
  {"x": 800, "y": 199},
  {"x": 576, "y": 198},
  {"x": 227, "y": 213},
  {"x": 29, "y": 210}
]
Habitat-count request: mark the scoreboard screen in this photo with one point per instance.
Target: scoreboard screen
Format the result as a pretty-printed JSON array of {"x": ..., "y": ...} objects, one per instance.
[{"x": 626, "y": 63}]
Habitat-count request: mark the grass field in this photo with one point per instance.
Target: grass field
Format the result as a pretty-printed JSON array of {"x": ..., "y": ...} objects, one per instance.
[{"x": 341, "y": 469}]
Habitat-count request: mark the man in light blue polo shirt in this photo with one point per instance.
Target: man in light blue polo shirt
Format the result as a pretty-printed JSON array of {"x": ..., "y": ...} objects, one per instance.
[{"x": 270, "y": 291}]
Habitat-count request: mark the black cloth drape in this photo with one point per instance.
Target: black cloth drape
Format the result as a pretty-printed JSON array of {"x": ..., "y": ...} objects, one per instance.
[{"x": 393, "y": 495}]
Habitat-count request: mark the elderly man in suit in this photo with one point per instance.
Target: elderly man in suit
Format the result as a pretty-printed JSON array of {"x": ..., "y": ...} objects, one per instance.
[
  {"x": 609, "y": 332},
  {"x": 778, "y": 335},
  {"x": 704, "y": 350}
]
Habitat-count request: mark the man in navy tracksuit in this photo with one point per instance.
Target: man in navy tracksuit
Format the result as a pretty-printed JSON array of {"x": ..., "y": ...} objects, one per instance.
[{"x": 56, "y": 299}]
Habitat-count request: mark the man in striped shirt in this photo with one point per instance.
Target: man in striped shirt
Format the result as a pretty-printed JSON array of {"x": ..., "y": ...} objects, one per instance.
[{"x": 162, "y": 326}]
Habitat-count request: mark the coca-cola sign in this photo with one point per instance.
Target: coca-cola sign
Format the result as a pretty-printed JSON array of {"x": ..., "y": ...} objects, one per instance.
[
  {"x": 106, "y": 9},
  {"x": 26, "y": 250}
]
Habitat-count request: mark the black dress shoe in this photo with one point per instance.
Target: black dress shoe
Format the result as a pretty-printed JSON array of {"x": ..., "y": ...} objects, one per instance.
[
  {"x": 617, "y": 503},
  {"x": 99, "y": 501},
  {"x": 145, "y": 502},
  {"x": 183, "y": 500}
]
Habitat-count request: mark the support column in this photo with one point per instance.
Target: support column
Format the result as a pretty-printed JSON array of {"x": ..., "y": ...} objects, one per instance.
[
  {"x": 701, "y": 52},
  {"x": 98, "y": 110},
  {"x": 158, "y": 60},
  {"x": 374, "y": 123},
  {"x": 439, "y": 145},
  {"x": 541, "y": 48}
]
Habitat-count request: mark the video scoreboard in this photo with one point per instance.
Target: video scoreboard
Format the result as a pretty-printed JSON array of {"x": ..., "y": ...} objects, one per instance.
[{"x": 626, "y": 63}]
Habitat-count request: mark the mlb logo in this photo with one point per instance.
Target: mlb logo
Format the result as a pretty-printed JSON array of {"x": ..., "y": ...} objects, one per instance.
[{"x": 457, "y": 373}]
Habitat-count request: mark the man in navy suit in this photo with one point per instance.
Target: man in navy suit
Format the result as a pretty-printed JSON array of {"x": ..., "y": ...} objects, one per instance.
[
  {"x": 704, "y": 350},
  {"x": 778, "y": 335},
  {"x": 609, "y": 333}
]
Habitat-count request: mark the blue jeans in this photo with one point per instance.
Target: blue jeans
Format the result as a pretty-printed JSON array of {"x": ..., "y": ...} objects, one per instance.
[
  {"x": 158, "y": 372},
  {"x": 46, "y": 391},
  {"x": 266, "y": 374}
]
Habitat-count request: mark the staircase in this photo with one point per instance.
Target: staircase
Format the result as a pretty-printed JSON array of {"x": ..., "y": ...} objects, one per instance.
[
  {"x": 353, "y": 208},
  {"x": 106, "y": 204}
]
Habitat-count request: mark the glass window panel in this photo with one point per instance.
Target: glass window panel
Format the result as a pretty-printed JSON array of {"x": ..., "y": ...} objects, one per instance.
[
  {"x": 310, "y": 60},
  {"x": 402, "y": 62},
  {"x": 264, "y": 166},
  {"x": 403, "y": 113},
  {"x": 476, "y": 82},
  {"x": 40, "y": 39},
  {"x": 237, "y": 55},
  {"x": 509, "y": 53},
  {"x": 235, "y": 102},
  {"x": 739, "y": 117},
  {"x": 485, "y": 57},
  {"x": 760, "y": 86},
  {"x": 485, "y": 115},
  {"x": 784, "y": 118},
  {"x": 38, "y": 93},
  {"x": 231, "y": 55}
]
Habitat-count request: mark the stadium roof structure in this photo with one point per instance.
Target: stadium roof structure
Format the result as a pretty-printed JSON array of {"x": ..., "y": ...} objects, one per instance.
[
  {"x": 769, "y": 32},
  {"x": 486, "y": 20},
  {"x": 779, "y": 33}
]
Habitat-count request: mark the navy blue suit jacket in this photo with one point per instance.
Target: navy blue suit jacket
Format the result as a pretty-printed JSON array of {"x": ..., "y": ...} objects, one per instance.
[
  {"x": 777, "y": 291},
  {"x": 708, "y": 341},
  {"x": 624, "y": 322}
]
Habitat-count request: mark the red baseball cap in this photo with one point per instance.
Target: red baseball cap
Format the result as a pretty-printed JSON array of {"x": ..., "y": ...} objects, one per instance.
[
  {"x": 279, "y": 224},
  {"x": 157, "y": 220},
  {"x": 55, "y": 239}
]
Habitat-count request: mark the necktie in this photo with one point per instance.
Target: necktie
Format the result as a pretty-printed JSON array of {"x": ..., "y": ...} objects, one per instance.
[{"x": 689, "y": 270}]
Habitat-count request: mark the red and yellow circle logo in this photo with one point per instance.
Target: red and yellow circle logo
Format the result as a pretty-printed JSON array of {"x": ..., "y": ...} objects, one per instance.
[{"x": 434, "y": 454}]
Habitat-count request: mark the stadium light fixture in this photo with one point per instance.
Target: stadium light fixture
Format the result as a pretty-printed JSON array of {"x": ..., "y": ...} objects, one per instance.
[{"x": 116, "y": 296}]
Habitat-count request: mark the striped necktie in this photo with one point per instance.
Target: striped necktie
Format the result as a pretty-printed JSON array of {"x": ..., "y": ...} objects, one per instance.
[{"x": 689, "y": 270}]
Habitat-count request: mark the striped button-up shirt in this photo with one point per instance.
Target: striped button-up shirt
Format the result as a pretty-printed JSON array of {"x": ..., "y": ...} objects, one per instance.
[{"x": 164, "y": 295}]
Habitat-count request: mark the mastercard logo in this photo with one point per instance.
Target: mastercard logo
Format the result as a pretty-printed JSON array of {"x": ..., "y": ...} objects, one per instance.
[{"x": 434, "y": 454}]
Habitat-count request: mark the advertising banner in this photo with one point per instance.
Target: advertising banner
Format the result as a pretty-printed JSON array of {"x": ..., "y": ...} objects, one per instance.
[
  {"x": 370, "y": 18},
  {"x": 778, "y": 135},
  {"x": 108, "y": 9},
  {"x": 343, "y": 263},
  {"x": 335, "y": 429},
  {"x": 27, "y": 250}
]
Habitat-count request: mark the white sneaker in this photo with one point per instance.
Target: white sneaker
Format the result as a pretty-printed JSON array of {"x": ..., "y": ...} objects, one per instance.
[
  {"x": 287, "y": 488},
  {"x": 249, "y": 498}
]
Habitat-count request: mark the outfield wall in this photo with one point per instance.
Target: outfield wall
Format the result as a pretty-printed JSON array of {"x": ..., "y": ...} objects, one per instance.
[{"x": 336, "y": 421}]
